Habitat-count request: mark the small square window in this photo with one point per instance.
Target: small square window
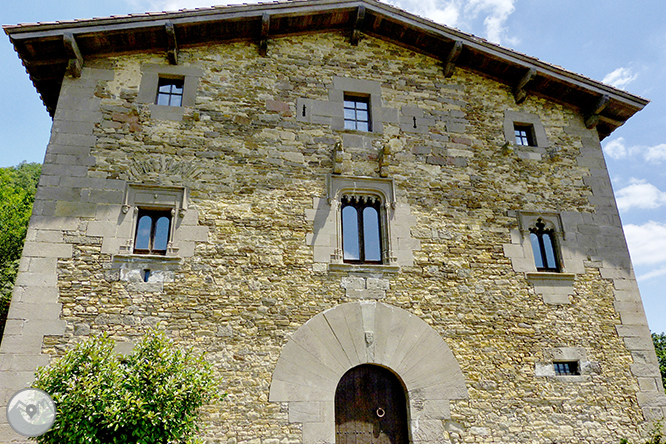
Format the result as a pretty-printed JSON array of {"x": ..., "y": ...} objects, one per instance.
[
  {"x": 524, "y": 135},
  {"x": 170, "y": 91},
  {"x": 357, "y": 112},
  {"x": 569, "y": 368},
  {"x": 153, "y": 229}
]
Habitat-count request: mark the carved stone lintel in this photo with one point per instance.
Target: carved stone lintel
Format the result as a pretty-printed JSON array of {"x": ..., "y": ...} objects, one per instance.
[
  {"x": 338, "y": 158},
  {"x": 384, "y": 160}
]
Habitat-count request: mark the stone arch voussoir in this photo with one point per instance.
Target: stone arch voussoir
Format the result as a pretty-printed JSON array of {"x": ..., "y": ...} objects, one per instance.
[{"x": 328, "y": 345}]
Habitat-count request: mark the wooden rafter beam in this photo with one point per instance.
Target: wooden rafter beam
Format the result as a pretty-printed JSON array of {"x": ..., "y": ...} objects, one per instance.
[
  {"x": 451, "y": 57},
  {"x": 75, "y": 63},
  {"x": 592, "y": 120},
  {"x": 358, "y": 23},
  {"x": 519, "y": 91},
  {"x": 265, "y": 29},
  {"x": 172, "y": 43}
]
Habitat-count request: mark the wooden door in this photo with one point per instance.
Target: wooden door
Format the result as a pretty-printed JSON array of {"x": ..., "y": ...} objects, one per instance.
[{"x": 370, "y": 407}]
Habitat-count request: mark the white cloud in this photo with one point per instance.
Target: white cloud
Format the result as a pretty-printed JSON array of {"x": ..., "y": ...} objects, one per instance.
[
  {"x": 640, "y": 194},
  {"x": 454, "y": 13},
  {"x": 652, "y": 274},
  {"x": 498, "y": 12},
  {"x": 655, "y": 153},
  {"x": 647, "y": 243},
  {"x": 615, "y": 149},
  {"x": 620, "y": 78}
]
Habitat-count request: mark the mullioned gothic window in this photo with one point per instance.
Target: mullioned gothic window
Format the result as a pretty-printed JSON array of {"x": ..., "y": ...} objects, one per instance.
[
  {"x": 361, "y": 229},
  {"x": 544, "y": 247},
  {"x": 152, "y": 232}
]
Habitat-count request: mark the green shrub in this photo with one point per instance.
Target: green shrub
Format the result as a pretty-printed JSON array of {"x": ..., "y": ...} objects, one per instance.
[
  {"x": 151, "y": 396},
  {"x": 17, "y": 193}
]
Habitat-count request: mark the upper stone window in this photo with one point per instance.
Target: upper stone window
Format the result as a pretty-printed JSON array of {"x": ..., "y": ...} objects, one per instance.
[
  {"x": 170, "y": 91},
  {"x": 357, "y": 113},
  {"x": 361, "y": 229},
  {"x": 524, "y": 134},
  {"x": 153, "y": 232},
  {"x": 544, "y": 247}
]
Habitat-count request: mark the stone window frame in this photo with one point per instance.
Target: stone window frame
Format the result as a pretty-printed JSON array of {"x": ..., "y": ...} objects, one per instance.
[
  {"x": 154, "y": 197},
  {"x": 545, "y": 368},
  {"x": 382, "y": 189},
  {"x": 150, "y": 76},
  {"x": 527, "y": 223},
  {"x": 331, "y": 111},
  {"x": 555, "y": 287},
  {"x": 533, "y": 121},
  {"x": 326, "y": 237}
]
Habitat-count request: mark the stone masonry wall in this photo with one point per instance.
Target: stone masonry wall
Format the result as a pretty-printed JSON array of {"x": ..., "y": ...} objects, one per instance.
[{"x": 252, "y": 171}]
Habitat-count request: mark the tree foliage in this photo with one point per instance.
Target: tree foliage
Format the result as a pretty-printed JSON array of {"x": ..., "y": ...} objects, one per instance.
[
  {"x": 151, "y": 396},
  {"x": 659, "y": 341},
  {"x": 17, "y": 194}
]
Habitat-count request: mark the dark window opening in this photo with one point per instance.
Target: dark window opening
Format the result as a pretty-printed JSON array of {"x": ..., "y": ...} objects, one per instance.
[
  {"x": 361, "y": 229},
  {"x": 152, "y": 232},
  {"x": 524, "y": 135},
  {"x": 566, "y": 368},
  {"x": 543, "y": 247},
  {"x": 169, "y": 92},
  {"x": 357, "y": 113}
]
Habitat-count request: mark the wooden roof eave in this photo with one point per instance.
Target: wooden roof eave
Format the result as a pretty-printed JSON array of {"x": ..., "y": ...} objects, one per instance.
[{"x": 513, "y": 64}]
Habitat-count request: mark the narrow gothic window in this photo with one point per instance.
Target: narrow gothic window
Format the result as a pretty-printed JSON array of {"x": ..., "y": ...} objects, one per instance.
[
  {"x": 170, "y": 91},
  {"x": 357, "y": 113},
  {"x": 543, "y": 247},
  {"x": 152, "y": 232},
  {"x": 524, "y": 135},
  {"x": 361, "y": 229}
]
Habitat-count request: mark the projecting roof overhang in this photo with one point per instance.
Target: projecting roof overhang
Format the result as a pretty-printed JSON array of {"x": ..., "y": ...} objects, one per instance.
[{"x": 46, "y": 49}]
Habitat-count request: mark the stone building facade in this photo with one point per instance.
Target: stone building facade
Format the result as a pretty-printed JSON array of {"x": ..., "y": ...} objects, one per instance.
[{"x": 302, "y": 189}]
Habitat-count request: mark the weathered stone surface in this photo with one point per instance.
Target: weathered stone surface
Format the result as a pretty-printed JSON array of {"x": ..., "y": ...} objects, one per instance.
[{"x": 247, "y": 279}]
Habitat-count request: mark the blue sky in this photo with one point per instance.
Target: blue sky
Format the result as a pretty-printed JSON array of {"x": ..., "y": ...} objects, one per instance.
[{"x": 620, "y": 42}]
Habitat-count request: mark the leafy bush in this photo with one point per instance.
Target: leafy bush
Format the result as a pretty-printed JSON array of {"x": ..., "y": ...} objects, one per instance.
[
  {"x": 151, "y": 396},
  {"x": 17, "y": 193}
]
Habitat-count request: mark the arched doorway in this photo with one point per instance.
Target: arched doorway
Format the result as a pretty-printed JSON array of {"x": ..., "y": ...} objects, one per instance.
[{"x": 370, "y": 407}]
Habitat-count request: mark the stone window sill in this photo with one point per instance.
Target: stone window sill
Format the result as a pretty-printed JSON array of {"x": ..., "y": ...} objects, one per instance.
[
  {"x": 152, "y": 258},
  {"x": 550, "y": 276},
  {"x": 367, "y": 268}
]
